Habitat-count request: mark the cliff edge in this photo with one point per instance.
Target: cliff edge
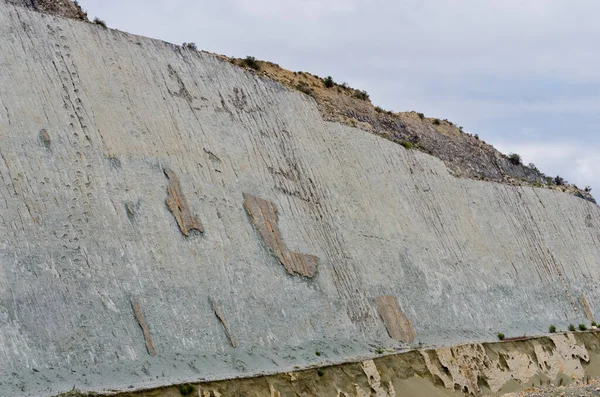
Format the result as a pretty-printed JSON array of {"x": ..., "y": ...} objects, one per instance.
[{"x": 168, "y": 217}]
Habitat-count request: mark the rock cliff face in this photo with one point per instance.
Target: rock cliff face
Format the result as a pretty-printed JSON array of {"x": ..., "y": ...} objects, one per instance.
[
  {"x": 61, "y": 8},
  {"x": 167, "y": 217}
]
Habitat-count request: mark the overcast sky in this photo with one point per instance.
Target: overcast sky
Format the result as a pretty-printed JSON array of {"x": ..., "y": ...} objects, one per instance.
[{"x": 524, "y": 75}]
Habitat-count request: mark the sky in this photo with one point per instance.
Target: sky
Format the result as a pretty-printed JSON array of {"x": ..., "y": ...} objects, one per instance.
[{"x": 522, "y": 74}]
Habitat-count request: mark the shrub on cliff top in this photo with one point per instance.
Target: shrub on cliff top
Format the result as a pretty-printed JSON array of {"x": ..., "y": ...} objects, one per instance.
[
  {"x": 500, "y": 336},
  {"x": 329, "y": 82},
  {"x": 582, "y": 327},
  {"x": 362, "y": 95},
  {"x": 571, "y": 327},
  {"x": 190, "y": 46},
  {"x": 251, "y": 62},
  {"x": 552, "y": 329},
  {"x": 100, "y": 22},
  {"x": 515, "y": 158},
  {"x": 437, "y": 122}
]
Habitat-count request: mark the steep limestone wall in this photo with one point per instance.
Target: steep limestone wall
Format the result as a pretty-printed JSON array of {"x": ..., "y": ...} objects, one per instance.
[{"x": 129, "y": 256}]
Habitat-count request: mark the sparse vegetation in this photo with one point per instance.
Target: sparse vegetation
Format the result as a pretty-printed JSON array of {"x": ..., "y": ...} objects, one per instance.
[
  {"x": 582, "y": 327},
  {"x": 421, "y": 115},
  {"x": 559, "y": 181},
  {"x": 190, "y": 46},
  {"x": 186, "y": 389},
  {"x": 533, "y": 167},
  {"x": 476, "y": 136},
  {"x": 571, "y": 327},
  {"x": 500, "y": 335},
  {"x": 251, "y": 62},
  {"x": 379, "y": 350},
  {"x": 362, "y": 95},
  {"x": 100, "y": 22},
  {"x": 594, "y": 324},
  {"x": 407, "y": 145},
  {"x": 318, "y": 353},
  {"x": 515, "y": 158},
  {"x": 329, "y": 82},
  {"x": 552, "y": 329},
  {"x": 320, "y": 372},
  {"x": 304, "y": 88},
  {"x": 588, "y": 189}
]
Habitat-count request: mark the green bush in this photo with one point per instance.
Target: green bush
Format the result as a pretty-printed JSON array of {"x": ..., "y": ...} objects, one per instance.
[
  {"x": 362, "y": 95},
  {"x": 552, "y": 329},
  {"x": 190, "y": 46},
  {"x": 379, "y": 350},
  {"x": 320, "y": 372},
  {"x": 571, "y": 327},
  {"x": 407, "y": 145},
  {"x": 436, "y": 122},
  {"x": 515, "y": 158},
  {"x": 500, "y": 336},
  {"x": 329, "y": 82},
  {"x": 559, "y": 180},
  {"x": 186, "y": 389},
  {"x": 318, "y": 353},
  {"x": 594, "y": 324},
  {"x": 100, "y": 22},
  {"x": 582, "y": 327},
  {"x": 251, "y": 62},
  {"x": 476, "y": 136},
  {"x": 421, "y": 115}
]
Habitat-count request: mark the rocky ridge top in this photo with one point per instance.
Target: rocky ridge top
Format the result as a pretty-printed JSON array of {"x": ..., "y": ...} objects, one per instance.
[
  {"x": 465, "y": 155},
  {"x": 62, "y": 8}
]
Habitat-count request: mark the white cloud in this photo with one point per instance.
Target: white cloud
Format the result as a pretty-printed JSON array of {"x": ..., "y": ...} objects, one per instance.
[
  {"x": 290, "y": 9},
  {"x": 577, "y": 162}
]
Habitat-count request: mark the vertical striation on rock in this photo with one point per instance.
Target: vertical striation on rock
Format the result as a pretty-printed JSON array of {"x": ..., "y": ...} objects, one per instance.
[
  {"x": 179, "y": 207},
  {"x": 264, "y": 217},
  {"x": 82, "y": 224}
]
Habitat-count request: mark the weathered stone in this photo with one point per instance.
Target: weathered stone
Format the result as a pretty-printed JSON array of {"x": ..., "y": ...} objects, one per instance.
[
  {"x": 397, "y": 324},
  {"x": 264, "y": 217},
  {"x": 219, "y": 313},
  {"x": 142, "y": 322},
  {"x": 585, "y": 305},
  {"x": 179, "y": 207},
  {"x": 463, "y": 257},
  {"x": 62, "y": 8},
  {"x": 45, "y": 137}
]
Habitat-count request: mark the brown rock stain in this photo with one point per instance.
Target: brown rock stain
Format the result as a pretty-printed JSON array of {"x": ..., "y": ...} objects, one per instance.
[
  {"x": 179, "y": 207},
  {"x": 264, "y": 217},
  {"x": 142, "y": 322},
  {"x": 398, "y": 325}
]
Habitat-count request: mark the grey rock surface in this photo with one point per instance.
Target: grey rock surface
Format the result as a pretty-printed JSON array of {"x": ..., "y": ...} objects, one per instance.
[
  {"x": 90, "y": 119},
  {"x": 62, "y": 8}
]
